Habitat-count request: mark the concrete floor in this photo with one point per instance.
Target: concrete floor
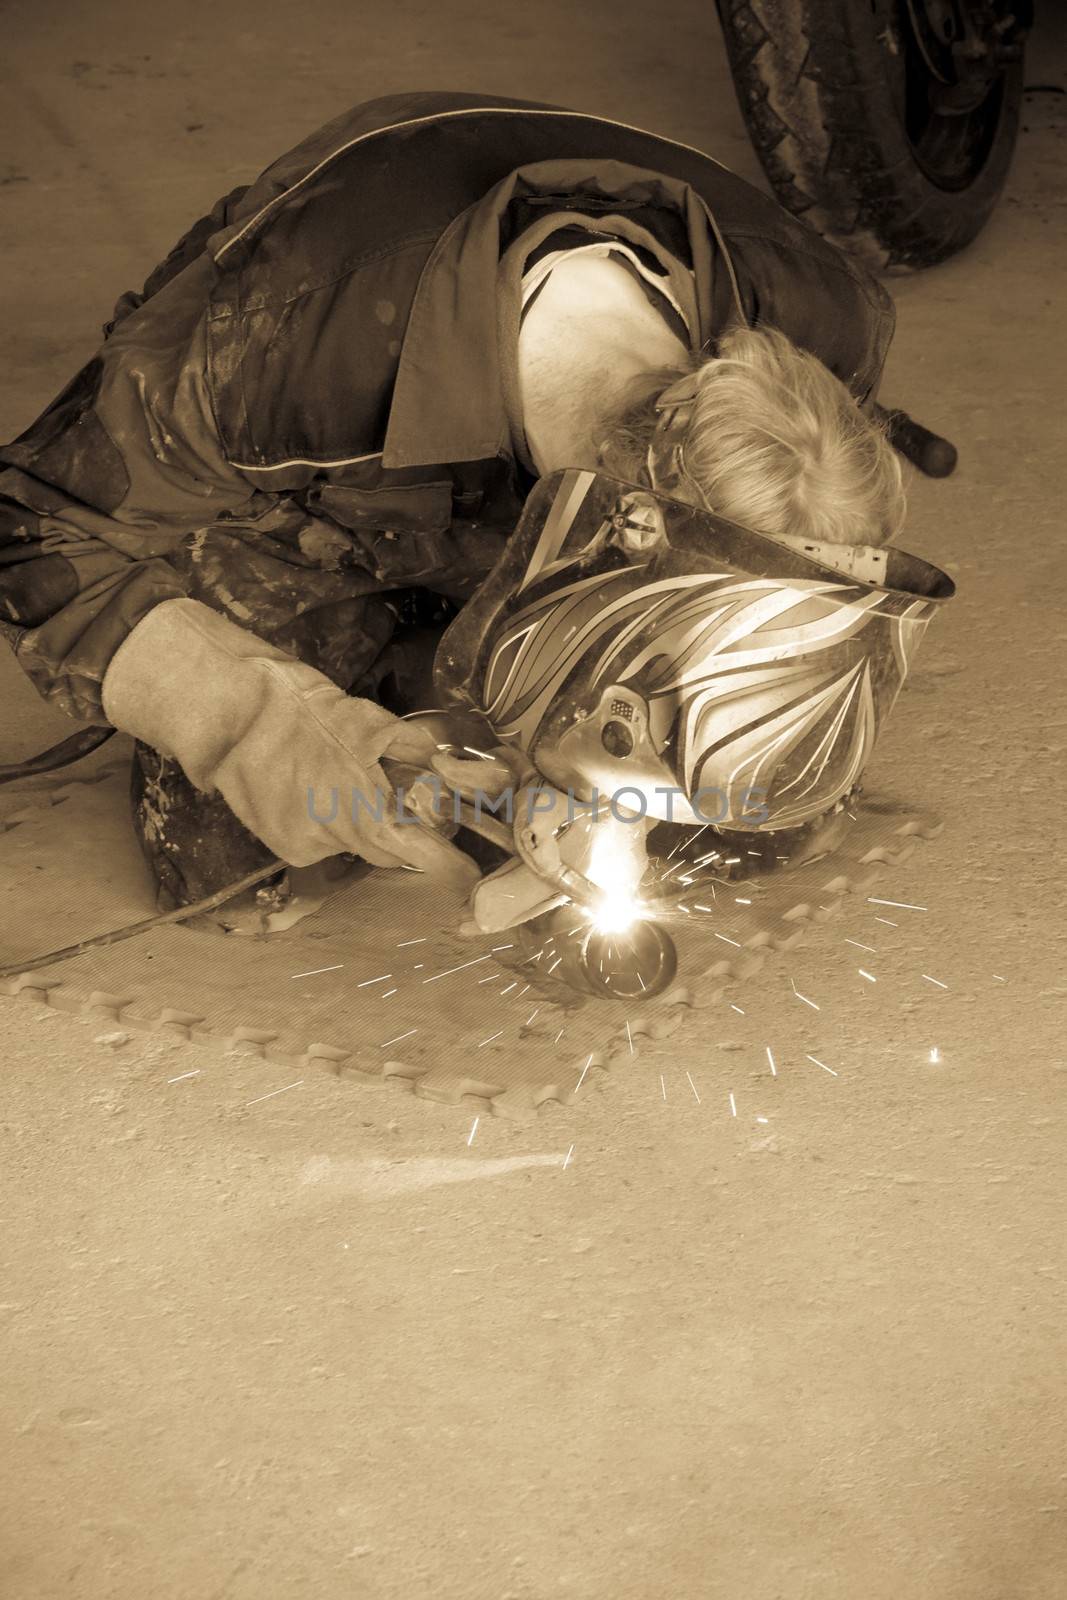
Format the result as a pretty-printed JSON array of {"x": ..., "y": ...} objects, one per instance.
[{"x": 818, "y": 1358}]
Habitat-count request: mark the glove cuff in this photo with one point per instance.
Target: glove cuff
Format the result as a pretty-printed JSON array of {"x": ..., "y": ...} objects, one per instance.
[{"x": 189, "y": 683}]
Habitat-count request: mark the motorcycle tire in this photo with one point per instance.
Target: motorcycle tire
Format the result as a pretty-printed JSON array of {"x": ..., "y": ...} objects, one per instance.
[{"x": 871, "y": 125}]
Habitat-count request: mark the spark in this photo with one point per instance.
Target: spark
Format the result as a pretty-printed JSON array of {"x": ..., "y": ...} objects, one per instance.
[
  {"x": 184, "y": 1075},
  {"x": 397, "y": 1038},
  {"x": 567, "y": 1157},
  {"x": 629, "y": 1037},
  {"x": 686, "y": 840},
  {"x": 887, "y": 922},
  {"x": 386, "y": 993},
  {"x": 491, "y": 1037},
  {"x": 823, "y": 1065},
  {"x": 510, "y": 986},
  {"x": 770, "y": 1058},
  {"x": 404, "y": 942},
  {"x": 700, "y": 907},
  {"x": 383, "y": 979},
  {"x": 497, "y": 947},
  {"x": 585, "y": 1069},
  {"x": 740, "y": 1013},
  {"x": 868, "y": 975},
  {"x": 559, "y": 1036},
  {"x": 741, "y": 902},
  {"x": 859, "y": 946},
  {"x": 450, "y": 970},
  {"x": 804, "y": 997},
  {"x": 530, "y": 1018},
  {"x": 999, "y": 978},
  {"x": 316, "y": 970},
  {"x": 471, "y": 751},
  {"x": 735, "y": 942},
  {"x": 556, "y": 963},
  {"x": 935, "y": 1057},
  {"x": 733, "y": 1104},
  {"x": 928, "y": 978},
  {"x": 474, "y": 1129},
  {"x": 522, "y": 991},
  {"x": 273, "y": 1092},
  {"x": 901, "y": 905},
  {"x": 662, "y": 1086},
  {"x": 762, "y": 1119},
  {"x": 492, "y": 978},
  {"x": 693, "y": 1086}
]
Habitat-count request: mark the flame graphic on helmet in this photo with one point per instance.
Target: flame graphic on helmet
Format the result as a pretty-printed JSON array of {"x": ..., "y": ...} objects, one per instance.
[
  {"x": 746, "y": 680},
  {"x": 751, "y": 683},
  {"x": 759, "y": 695}
]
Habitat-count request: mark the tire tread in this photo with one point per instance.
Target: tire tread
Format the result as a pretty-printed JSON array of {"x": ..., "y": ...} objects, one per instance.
[{"x": 806, "y": 90}]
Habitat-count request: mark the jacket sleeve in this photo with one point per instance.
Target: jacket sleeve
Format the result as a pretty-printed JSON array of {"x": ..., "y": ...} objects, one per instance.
[{"x": 96, "y": 495}]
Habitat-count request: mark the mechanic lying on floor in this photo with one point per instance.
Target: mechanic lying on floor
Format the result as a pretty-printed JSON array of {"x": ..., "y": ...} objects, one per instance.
[{"x": 311, "y": 435}]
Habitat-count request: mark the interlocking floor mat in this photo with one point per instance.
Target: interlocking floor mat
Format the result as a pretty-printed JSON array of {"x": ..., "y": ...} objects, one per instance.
[{"x": 374, "y": 983}]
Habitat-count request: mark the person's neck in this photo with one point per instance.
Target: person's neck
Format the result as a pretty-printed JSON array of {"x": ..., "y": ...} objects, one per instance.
[{"x": 576, "y": 376}]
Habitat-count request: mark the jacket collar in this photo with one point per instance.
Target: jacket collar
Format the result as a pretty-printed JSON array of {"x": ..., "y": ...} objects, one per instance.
[{"x": 449, "y": 402}]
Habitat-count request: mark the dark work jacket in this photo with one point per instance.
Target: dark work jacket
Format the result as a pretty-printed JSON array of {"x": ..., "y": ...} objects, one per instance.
[{"x": 303, "y": 410}]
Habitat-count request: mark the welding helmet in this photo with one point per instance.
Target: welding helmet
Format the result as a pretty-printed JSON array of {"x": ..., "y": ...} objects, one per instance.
[{"x": 634, "y": 645}]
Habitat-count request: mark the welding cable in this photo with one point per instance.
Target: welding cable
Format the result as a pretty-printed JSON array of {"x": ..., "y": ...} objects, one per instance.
[
  {"x": 118, "y": 934},
  {"x": 60, "y": 755}
]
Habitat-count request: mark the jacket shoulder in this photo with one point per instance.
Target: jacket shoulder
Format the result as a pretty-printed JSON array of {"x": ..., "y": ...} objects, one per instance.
[
  {"x": 791, "y": 278},
  {"x": 388, "y": 114}
]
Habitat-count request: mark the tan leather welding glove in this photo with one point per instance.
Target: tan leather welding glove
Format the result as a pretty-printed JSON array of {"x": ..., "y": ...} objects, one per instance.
[{"x": 293, "y": 756}]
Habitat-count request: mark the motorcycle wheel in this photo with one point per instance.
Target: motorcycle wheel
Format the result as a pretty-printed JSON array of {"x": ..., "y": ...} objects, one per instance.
[{"x": 888, "y": 125}]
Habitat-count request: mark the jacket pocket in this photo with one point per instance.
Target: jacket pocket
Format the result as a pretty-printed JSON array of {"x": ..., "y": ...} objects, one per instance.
[
  {"x": 394, "y": 508},
  {"x": 401, "y": 534}
]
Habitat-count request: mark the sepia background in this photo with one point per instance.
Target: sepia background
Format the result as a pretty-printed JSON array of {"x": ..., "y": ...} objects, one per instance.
[{"x": 329, "y": 1346}]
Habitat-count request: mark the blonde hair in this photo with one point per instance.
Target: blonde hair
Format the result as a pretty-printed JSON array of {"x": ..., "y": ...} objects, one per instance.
[{"x": 774, "y": 441}]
